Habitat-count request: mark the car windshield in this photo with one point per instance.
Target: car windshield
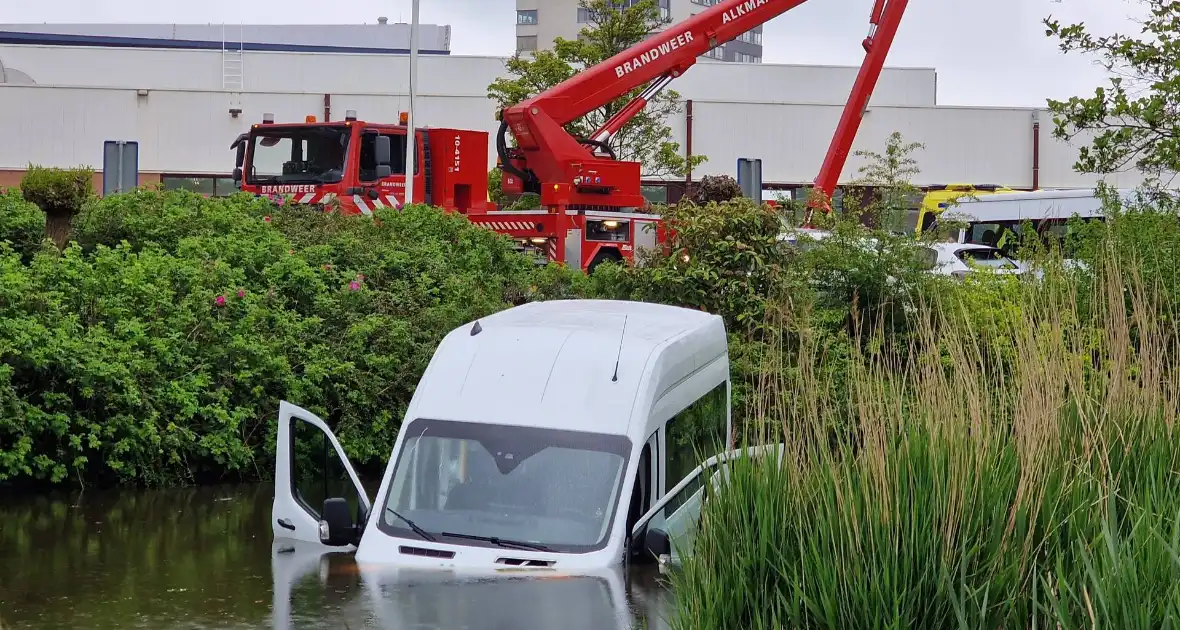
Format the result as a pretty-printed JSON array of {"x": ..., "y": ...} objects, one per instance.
[
  {"x": 990, "y": 258},
  {"x": 467, "y": 483},
  {"x": 298, "y": 155}
]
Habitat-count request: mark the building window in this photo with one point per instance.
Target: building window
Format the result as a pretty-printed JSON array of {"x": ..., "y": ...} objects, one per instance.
[
  {"x": 585, "y": 16},
  {"x": 526, "y": 43},
  {"x": 207, "y": 185},
  {"x": 526, "y": 17}
]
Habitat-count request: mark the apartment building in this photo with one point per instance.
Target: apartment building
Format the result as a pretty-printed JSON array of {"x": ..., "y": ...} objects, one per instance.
[{"x": 539, "y": 22}]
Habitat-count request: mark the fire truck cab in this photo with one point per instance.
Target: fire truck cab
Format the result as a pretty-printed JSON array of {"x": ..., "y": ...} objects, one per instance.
[{"x": 357, "y": 166}]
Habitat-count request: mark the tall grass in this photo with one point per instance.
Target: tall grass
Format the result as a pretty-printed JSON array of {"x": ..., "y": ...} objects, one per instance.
[{"x": 947, "y": 485}]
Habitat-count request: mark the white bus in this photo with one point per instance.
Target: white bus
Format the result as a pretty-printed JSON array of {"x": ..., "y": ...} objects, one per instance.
[{"x": 996, "y": 219}]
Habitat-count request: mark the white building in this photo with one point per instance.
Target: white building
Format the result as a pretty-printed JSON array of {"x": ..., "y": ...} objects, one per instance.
[
  {"x": 540, "y": 22},
  {"x": 67, "y": 99}
]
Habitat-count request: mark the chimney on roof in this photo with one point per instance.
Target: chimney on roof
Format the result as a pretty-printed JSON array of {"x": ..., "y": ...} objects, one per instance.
[{"x": 383, "y": 20}]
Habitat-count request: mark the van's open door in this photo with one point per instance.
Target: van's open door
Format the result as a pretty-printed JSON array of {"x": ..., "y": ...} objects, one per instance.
[
  {"x": 310, "y": 467},
  {"x": 675, "y": 516}
]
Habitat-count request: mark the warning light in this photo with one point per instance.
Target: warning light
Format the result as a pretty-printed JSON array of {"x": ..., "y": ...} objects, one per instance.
[
  {"x": 309, "y": 119},
  {"x": 403, "y": 118}
]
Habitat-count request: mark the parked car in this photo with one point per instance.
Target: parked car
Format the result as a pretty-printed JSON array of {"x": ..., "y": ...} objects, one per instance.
[{"x": 960, "y": 259}]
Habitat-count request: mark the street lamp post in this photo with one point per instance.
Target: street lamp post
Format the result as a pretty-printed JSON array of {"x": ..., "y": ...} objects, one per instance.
[{"x": 411, "y": 136}]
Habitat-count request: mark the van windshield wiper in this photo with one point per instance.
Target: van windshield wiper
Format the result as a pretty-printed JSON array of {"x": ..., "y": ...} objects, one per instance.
[
  {"x": 417, "y": 530},
  {"x": 503, "y": 542}
]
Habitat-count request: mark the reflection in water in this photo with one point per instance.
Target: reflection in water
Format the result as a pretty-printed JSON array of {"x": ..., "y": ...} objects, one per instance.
[{"x": 204, "y": 558}]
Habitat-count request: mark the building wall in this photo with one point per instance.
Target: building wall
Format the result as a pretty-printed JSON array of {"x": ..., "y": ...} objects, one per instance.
[
  {"x": 559, "y": 18},
  {"x": 283, "y": 72},
  {"x": 189, "y": 132},
  {"x": 10, "y": 178},
  {"x": 377, "y": 36}
]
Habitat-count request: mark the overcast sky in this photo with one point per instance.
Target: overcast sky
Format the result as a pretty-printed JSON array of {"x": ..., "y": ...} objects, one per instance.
[{"x": 987, "y": 52}]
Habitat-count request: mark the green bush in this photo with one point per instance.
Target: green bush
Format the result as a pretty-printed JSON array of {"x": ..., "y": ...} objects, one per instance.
[
  {"x": 22, "y": 224},
  {"x": 61, "y": 194},
  {"x": 156, "y": 351}
]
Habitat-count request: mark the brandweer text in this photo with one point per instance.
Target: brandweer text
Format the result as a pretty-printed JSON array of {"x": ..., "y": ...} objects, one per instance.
[{"x": 657, "y": 51}]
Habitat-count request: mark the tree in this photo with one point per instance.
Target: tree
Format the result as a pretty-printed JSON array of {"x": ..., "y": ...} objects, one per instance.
[
  {"x": 60, "y": 194},
  {"x": 719, "y": 188},
  {"x": 889, "y": 175},
  {"x": 613, "y": 27},
  {"x": 1136, "y": 120}
]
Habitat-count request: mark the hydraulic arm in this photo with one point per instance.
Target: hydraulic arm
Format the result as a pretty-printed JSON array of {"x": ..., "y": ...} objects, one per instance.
[{"x": 583, "y": 172}]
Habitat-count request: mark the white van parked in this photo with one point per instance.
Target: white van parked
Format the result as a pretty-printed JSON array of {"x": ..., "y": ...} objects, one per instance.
[{"x": 538, "y": 437}]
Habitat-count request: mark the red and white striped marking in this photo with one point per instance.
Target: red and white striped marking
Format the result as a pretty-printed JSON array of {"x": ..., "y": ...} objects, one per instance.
[
  {"x": 509, "y": 225},
  {"x": 367, "y": 206}
]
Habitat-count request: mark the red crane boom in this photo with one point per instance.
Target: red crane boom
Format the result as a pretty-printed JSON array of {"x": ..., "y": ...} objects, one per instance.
[{"x": 576, "y": 173}]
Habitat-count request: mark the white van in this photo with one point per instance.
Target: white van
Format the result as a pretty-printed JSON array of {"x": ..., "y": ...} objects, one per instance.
[{"x": 537, "y": 437}]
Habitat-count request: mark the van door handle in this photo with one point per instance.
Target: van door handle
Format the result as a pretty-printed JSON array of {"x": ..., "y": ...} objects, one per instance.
[{"x": 286, "y": 524}]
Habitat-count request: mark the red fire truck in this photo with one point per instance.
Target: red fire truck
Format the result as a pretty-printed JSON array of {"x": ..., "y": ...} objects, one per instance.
[{"x": 591, "y": 204}]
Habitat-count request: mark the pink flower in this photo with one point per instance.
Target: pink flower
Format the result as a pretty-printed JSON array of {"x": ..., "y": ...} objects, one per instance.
[
  {"x": 280, "y": 201},
  {"x": 328, "y": 267},
  {"x": 266, "y": 218},
  {"x": 220, "y": 301},
  {"x": 241, "y": 293},
  {"x": 354, "y": 286}
]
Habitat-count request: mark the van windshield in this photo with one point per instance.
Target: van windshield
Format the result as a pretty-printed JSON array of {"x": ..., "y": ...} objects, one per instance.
[{"x": 552, "y": 488}]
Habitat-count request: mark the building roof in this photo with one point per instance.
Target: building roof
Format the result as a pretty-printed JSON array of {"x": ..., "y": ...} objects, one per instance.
[{"x": 380, "y": 38}]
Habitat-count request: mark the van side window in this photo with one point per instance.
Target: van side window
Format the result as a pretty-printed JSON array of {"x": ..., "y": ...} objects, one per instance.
[{"x": 694, "y": 435}]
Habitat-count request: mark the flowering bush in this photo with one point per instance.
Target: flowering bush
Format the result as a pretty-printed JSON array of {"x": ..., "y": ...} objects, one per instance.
[{"x": 156, "y": 347}]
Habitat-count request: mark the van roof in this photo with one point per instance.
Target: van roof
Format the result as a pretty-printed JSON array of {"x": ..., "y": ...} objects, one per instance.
[{"x": 551, "y": 364}]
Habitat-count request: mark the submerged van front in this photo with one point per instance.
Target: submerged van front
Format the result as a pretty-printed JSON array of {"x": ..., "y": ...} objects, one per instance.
[
  {"x": 534, "y": 440},
  {"x": 490, "y": 491}
]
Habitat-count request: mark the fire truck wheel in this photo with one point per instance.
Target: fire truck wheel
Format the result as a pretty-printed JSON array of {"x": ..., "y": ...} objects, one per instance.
[{"x": 602, "y": 256}]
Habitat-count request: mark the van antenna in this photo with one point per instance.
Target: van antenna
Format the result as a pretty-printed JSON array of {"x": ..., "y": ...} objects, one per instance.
[{"x": 615, "y": 378}]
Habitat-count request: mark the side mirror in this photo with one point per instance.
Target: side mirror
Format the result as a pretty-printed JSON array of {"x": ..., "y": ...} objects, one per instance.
[
  {"x": 657, "y": 543},
  {"x": 384, "y": 151},
  {"x": 238, "y": 175},
  {"x": 336, "y": 526}
]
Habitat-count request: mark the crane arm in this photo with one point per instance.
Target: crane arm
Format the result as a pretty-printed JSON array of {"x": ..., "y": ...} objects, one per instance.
[
  {"x": 538, "y": 123},
  {"x": 545, "y": 152},
  {"x": 883, "y": 24},
  {"x": 670, "y": 52}
]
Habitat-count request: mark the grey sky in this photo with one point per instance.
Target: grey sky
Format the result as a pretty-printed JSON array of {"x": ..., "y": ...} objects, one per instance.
[{"x": 987, "y": 52}]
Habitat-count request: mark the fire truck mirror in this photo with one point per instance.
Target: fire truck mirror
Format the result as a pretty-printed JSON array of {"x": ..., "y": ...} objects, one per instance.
[
  {"x": 237, "y": 175},
  {"x": 384, "y": 152}
]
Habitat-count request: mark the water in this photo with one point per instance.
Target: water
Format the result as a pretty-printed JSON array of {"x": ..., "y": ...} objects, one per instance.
[{"x": 204, "y": 558}]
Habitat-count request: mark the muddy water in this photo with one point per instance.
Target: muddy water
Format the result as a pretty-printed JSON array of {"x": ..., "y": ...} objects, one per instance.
[{"x": 204, "y": 558}]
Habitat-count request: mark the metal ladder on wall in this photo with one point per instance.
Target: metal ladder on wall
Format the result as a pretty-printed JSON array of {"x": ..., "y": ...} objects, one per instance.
[{"x": 232, "y": 62}]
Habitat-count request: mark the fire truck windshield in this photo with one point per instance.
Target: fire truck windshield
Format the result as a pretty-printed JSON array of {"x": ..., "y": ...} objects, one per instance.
[{"x": 297, "y": 155}]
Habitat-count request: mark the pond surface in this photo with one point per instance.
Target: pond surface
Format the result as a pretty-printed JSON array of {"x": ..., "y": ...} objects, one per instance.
[{"x": 204, "y": 558}]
